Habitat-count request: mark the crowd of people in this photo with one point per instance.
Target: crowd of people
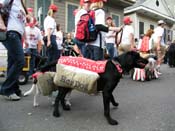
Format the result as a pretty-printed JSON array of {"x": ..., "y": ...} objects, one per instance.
[{"x": 113, "y": 40}]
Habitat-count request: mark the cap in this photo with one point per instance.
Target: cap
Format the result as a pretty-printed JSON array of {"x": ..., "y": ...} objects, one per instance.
[
  {"x": 161, "y": 22},
  {"x": 53, "y": 7},
  {"x": 84, "y": 1},
  {"x": 30, "y": 9},
  {"x": 127, "y": 20},
  {"x": 109, "y": 18},
  {"x": 94, "y": 1}
]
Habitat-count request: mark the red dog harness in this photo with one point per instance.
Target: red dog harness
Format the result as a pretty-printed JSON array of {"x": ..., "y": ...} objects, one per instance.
[{"x": 87, "y": 64}]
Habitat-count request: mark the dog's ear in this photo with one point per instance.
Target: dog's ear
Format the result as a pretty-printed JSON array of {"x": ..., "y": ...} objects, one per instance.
[
  {"x": 134, "y": 53},
  {"x": 155, "y": 57}
]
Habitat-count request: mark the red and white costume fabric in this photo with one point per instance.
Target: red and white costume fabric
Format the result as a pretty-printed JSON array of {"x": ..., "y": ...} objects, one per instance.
[
  {"x": 87, "y": 64},
  {"x": 145, "y": 44},
  {"x": 139, "y": 74},
  {"x": 83, "y": 63}
]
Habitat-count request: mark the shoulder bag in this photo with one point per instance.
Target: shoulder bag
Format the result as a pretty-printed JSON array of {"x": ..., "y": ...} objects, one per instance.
[{"x": 4, "y": 15}]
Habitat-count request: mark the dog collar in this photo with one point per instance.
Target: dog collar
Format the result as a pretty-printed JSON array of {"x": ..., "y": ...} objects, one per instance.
[{"x": 118, "y": 66}]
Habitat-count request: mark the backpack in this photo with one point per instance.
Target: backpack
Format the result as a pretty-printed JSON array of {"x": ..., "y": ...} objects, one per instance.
[{"x": 86, "y": 30}]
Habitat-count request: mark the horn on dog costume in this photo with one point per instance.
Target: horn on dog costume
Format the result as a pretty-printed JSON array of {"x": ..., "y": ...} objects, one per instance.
[
  {"x": 134, "y": 75},
  {"x": 138, "y": 74},
  {"x": 155, "y": 73},
  {"x": 142, "y": 74}
]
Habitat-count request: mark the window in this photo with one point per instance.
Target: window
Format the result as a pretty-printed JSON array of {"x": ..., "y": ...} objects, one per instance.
[
  {"x": 71, "y": 17},
  {"x": 141, "y": 28},
  {"x": 42, "y": 8},
  {"x": 168, "y": 35},
  {"x": 152, "y": 27},
  {"x": 115, "y": 19}
]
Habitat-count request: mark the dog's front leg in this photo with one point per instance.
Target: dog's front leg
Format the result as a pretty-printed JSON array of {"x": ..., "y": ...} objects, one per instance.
[
  {"x": 63, "y": 101},
  {"x": 114, "y": 103},
  {"x": 106, "y": 102},
  {"x": 35, "y": 103}
]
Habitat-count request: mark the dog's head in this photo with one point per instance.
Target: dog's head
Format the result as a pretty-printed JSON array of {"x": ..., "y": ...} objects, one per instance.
[
  {"x": 151, "y": 62},
  {"x": 130, "y": 60}
]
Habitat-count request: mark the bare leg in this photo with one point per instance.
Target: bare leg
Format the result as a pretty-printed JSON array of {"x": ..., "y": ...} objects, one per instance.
[{"x": 35, "y": 103}]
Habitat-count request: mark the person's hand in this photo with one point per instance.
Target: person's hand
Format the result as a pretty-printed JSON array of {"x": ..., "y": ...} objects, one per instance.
[
  {"x": 26, "y": 45},
  {"x": 122, "y": 26},
  {"x": 158, "y": 48}
]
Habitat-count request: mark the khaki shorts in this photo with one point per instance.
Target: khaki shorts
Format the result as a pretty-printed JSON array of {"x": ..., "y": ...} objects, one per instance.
[
  {"x": 160, "y": 54},
  {"x": 122, "y": 48}
]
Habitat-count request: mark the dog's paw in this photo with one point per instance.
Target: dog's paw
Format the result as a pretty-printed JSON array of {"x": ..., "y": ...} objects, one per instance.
[
  {"x": 56, "y": 114},
  {"x": 112, "y": 122},
  {"x": 66, "y": 108}
]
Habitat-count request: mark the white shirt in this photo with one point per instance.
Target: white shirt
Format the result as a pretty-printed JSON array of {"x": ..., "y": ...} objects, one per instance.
[
  {"x": 17, "y": 17},
  {"x": 158, "y": 32},
  {"x": 110, "y": 37},
  {"x": 49, "y": 22},
  {"x": 59, "y": 40},
  {"x": 99, "y": 19},
  {"x": 127, "y": 30},
  {"x": 33, "y": 35},
  {"x": 78, "y": 16}
]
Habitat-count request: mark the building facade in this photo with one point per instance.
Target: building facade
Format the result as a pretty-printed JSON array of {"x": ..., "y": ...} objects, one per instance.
[
  {"x": 146, "y": 13},
  {"x": 65, "y": 15}
]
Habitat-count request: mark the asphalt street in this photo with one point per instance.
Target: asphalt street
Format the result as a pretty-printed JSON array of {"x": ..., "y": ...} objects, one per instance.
[{"x": 143, "y": 106}]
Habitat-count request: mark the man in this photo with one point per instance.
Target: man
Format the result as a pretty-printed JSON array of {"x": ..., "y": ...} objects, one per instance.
[
  {"x": 159, "y": 43},
  {"x": 84, "y": 8},
  {"x": 33, "y": 38},
  {"x": 15, "y": 30}
]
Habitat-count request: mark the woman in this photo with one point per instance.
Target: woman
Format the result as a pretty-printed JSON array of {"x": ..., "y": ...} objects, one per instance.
[
  {"x": 15, "y": 31},
  {"x": 146, "y": 44},
  {"x": 110, "y": 38},
  {"x": 59, "y": 40},
  {"x": 69, "y": 46},
  {"x": 50, "y": 33},
  {"x": 126, "y": 37},
  {"x": 94, "y": 49}
]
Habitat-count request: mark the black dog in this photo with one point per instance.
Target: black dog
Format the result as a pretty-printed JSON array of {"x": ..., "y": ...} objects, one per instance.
[
  {"x": 171, "y": 55},
  {"x": 107, "y": 82}
]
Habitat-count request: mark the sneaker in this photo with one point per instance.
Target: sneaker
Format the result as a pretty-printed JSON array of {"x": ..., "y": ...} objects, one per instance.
[
  {"x": 158, "y": 70},
  {"x": 68, "y": 103},
  {"x": 159, "y": 73},
  {"x": 12, "y": 97}
]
